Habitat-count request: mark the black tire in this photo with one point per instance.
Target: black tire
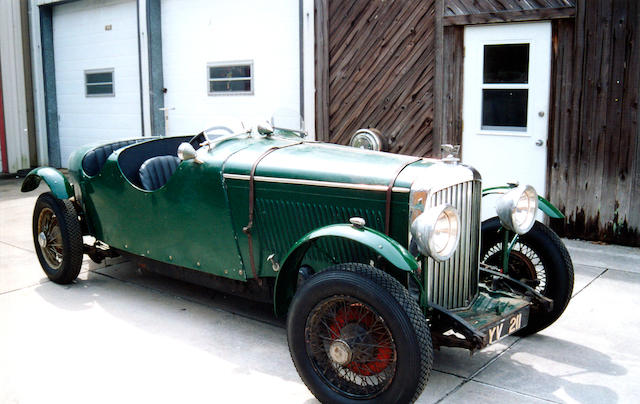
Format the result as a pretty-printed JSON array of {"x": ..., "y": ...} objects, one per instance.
[
  {"x": 538, "y": 257},
  {"x": 57, "y": 221},
  {"x": 400, "y": 358}
]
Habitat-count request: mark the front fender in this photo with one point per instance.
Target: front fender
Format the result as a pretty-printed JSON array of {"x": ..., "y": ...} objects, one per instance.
[
  {"x": 385, "y": 246},
  {"x": 57, "y": 182},
  {"x": 543, "y": 204}
]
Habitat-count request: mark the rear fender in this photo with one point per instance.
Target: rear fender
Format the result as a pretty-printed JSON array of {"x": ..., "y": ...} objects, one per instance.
[
  {"x": 392, "y": 251},
  {"x": 543, "y": 204},
  {"x": 57, "y": 182}
]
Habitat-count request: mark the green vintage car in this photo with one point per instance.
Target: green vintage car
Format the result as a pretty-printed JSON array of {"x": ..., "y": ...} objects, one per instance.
[{"x": 375, "y": 258}]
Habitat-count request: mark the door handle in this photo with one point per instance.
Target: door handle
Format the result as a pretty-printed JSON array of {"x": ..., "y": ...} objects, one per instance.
[{"x": 539, "y": 142}]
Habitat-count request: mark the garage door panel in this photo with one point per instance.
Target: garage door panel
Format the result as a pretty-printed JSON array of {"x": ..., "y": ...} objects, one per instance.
[
  {"x": 263, "y": 33},
  {"x": 91, "y": 35}
]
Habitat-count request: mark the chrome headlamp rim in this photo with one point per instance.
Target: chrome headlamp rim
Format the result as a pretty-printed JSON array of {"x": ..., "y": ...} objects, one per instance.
[
  {"x": 423, "y": 231},
  {"x": 511, "y": 204},
  {"x": 371, "y": 136}
]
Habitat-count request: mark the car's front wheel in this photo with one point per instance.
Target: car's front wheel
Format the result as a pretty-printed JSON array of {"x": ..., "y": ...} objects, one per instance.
[
  {"x": 356, "y": 335},
  {"x": 538, "y": 258},
  {"x": 57, "y": 238}
]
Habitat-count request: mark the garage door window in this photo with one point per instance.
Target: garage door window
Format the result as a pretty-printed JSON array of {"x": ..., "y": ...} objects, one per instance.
[
  {"x": 230, "y": 78},
  {"x": 99, "y": 83}
]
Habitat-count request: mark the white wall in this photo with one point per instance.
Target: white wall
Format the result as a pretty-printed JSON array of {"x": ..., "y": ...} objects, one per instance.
[
  {"x": 13, "y": 86},
  {"x": 197, "y": 32},
  {"x": 82, "y": 43}
]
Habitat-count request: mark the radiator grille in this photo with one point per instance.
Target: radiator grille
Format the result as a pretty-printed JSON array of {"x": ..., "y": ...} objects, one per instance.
[{"x": 454, "y": 283}]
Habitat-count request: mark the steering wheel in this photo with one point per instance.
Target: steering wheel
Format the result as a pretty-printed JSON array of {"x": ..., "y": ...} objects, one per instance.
[{"x": 209, "y": 134}]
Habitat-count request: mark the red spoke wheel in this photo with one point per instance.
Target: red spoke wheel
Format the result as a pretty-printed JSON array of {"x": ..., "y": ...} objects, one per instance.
[{"x": 356, "y": 335}]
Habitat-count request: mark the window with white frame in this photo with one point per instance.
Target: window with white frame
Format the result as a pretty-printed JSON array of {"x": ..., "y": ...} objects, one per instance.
[
  {"x": 230, "y": 78},
  {"x": 99, "y": 83}
]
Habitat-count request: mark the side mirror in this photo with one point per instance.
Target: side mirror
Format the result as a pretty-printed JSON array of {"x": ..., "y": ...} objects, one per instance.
[
  {"x": 186, "y": 152},
  {"x": 264, "y": 129}
]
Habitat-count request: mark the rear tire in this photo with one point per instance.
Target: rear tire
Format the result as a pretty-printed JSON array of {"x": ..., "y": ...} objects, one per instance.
[
  {"x": 57, "y": 238},
  {"x": 355, "y": 335},
  {"x": 539, "y": 256}
]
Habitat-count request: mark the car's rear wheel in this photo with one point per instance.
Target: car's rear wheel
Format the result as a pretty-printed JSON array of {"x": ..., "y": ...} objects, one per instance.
[
  {"x": 355, "y": 335},
  {"x": 539, "y": 259},
  {"x": 57, "y": 238}
]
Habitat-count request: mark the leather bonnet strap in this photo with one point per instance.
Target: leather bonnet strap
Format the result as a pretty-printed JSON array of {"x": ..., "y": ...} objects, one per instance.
[
  {"x": 387, "y": 214},
  {"x": 247, "y": 229}
]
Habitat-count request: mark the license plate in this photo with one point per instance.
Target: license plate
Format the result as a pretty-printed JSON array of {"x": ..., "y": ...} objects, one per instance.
[{"x": 507, "y": 326}]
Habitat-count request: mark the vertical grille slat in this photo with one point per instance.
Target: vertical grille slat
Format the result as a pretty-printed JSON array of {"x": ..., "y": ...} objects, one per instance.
[{"x": 453, "y": 283}]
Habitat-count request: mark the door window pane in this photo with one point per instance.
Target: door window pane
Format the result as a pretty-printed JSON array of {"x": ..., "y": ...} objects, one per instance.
[
  {"x": 504, "y": 109},
  {"x": 507, "y": 63}
]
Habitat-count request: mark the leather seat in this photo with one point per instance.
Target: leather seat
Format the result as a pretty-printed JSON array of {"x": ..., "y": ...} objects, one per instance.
[
  {"x": 94, "y": 159},
  {"x": 156, "y": 171}
]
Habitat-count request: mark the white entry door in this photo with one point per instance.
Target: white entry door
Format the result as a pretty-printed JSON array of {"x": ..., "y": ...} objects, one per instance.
[{"x": 506, "y": 103}]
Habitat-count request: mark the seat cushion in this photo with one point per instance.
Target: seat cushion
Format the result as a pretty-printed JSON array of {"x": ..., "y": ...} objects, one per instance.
[
  {"x": 94, "y": 159},
  {"x": 156, "y": 171}
]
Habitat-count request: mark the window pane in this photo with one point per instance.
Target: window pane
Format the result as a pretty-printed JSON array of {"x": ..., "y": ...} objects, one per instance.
[
  {"x": 230, "y": 86},
  {"x": 504, "y": 109},
  {"x": 100, "y": 89},
  {"x": 106, "y": 77},
  {"x": 506, "y": 63},
  {"x": 227, "y": 72}
]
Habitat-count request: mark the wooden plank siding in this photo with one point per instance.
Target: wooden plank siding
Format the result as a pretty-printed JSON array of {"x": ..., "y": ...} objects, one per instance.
[
  {"x": 594, "y": 133},
  {"x": 452, "y": 88},
  {"x": 466, "y": 12},
  {"x": 379, "y": 63},
  {"x": 397, "y": 66}
]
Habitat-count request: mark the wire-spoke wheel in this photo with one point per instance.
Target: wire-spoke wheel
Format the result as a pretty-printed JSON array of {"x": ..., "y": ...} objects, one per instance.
[
  {"x": 356, "y": 335},
  {"x": 350, "y": 345},
  {"x": 524, "y": 264},
  {"x": 57, "y": 238},
  {"x": 538, "y": 259}
]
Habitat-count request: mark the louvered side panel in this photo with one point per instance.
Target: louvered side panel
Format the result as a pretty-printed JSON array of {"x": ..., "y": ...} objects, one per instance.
[
  {"x": 280, "y": 223},
  {"x": 454, "y": 283}
]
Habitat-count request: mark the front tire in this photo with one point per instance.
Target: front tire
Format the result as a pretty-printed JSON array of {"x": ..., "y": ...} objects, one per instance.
[
  {"x": 538, "y": 258},
  {"x": 57, "y": 238},
  {"x": 355, "y": 335}
]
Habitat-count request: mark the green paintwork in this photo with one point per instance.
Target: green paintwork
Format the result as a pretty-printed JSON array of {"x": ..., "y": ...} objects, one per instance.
[
  {"x": 196, "y": 219},
  {"x": 57, "y": 182},
  {"x": 543, "y": 204},
  {"x": 301, "y": 212},
  {"x": 548, "y": 208},
  {"x": 373, "y": 240},
  {"x": 384, "y": 245}
]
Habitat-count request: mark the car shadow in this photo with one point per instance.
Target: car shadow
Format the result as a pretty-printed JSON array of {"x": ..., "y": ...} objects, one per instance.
[
  {"x": 236, "y": 330},
  {"x": 548, "y": 367},
  {"x": 94, "y": 289}
]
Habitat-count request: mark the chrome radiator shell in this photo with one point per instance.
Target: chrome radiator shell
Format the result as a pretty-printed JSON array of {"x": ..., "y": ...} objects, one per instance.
[{"x": 452, "y": 284}]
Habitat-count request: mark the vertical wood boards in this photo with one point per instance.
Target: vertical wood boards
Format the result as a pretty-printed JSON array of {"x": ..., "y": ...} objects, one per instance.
[
  {"x": 593, "y": 164},
  {"x": 453, "y": 63}
]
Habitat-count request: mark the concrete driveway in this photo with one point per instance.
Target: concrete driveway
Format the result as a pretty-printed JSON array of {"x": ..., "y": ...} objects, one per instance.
[{"x": 119, "y": 335}]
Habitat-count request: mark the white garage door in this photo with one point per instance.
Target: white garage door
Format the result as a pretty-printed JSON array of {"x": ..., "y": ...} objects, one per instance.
[
  {"x": 97, "y": 76},
  {"x": 228, "y": 60}
]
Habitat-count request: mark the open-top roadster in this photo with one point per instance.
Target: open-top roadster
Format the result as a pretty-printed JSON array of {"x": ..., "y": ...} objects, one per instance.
[{"x": 375, "y": 258}]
